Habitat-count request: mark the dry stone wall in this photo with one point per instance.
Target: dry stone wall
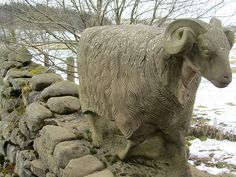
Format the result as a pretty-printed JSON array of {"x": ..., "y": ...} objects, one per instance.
[
  {"x": 43, "y": 133},
  {"x": 40, "y": 115}
]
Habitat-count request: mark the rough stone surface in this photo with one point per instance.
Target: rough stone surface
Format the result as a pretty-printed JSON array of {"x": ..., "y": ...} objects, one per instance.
[
  {"x": 45, "y": 155},
  {"x": 3, "y": 146},
  {"x": 63, "y": 105},
  {"x": 41, "y": 81},
  {"x": 38, "y": 168},
  {"x": 25, "y": 130},
  {"x": 23, "y": 162},
  {"x": 21, "y": 54},
  {"x": 33, "y": 96},
  {"x": 63, "y": 88},
  {"x": 50, "y": 174},
  {"x": 53, "y": 135},
  {"x": 36, "y": 113},
  {"x": 68, "y": 150},
  {"x": 11, "y": 152},
  {"x": 17, "y": 82},
  {"x": 103, "y": 173},
  {"x": 82, "y": 166}
]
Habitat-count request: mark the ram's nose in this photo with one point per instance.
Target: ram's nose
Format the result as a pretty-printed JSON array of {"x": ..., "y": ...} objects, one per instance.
[{"x": 225, "y": 81}]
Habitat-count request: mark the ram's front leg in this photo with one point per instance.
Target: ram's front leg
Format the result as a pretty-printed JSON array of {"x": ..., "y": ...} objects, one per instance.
[
  {"x": 177, "y": 149},
  {"x": 96, "y": 128}
]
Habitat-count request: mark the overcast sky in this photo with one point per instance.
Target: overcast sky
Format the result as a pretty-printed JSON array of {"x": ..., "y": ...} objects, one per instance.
[{"x": 227, "y": 12}]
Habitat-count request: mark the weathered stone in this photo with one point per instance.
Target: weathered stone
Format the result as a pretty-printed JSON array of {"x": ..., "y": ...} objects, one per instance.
[
  {"x": 103, "y": 173},
  {"x": 10, "y": 91},
  {"x": 13, "y": 137},
  {"x": 7, "y": 127},
  {"x": 33, "y": 96},
  {"x": 63, "y": 88},
  {"x": 83, "y": 166},
  {"x": 41, "y": 81},
  {"x": 9, "y": 104},
  {"x": 36, "y": 113},
  {"x": 18, "y": 73},
  {"x": 11, "y": 152},
  {"x": 21, "y": 54},
  {"x": 10, "y": 64},
  {"x": 53, "y": 135},
  {"x": 23, "y": 162},
  {"x": 38, "y": 168},
  {"x": 18, "y": 82},
  {"x": 63, "y": 105},
  {"x": 45, "y": 155},
  {"x": 3, "y": 146},
  {"x": 68, "y": 150},
  {"x": 25, "y": 130},
  {"x": 23, "y": 141},
  {"x": 4, "y": 51},
  {"x": 50, "y": 174}
]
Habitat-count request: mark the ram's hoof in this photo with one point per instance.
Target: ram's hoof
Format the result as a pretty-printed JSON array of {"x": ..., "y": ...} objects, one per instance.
[{"x": 122, "y": 154}]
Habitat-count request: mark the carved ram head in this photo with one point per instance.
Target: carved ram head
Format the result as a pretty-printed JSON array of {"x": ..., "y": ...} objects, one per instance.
[{"x": 205, "y": 46}]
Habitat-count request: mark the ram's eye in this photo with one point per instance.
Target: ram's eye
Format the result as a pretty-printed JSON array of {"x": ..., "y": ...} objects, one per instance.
[{"x": 206, "y": 52}]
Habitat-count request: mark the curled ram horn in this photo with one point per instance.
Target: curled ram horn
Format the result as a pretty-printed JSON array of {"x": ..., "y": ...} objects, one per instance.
[{"x": 181, "y": 34}]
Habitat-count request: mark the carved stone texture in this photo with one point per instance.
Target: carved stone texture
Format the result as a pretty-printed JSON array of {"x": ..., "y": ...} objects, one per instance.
[
  {"x": 63, "y": 88},
  {"x": 41, "y": 81},
  {"x": 146, "y": 80},
  {"x": 64, "y": 105}
]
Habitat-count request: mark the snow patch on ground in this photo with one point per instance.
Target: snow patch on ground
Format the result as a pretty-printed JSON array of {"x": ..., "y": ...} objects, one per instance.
[{"x": 209, "y": 154}]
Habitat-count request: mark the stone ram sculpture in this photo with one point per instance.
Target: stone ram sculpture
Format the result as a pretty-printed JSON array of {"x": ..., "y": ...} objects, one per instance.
[{"x": 145, "y": 79}]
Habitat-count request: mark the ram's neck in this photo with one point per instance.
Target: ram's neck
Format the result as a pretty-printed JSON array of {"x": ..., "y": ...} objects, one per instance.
[{"x": 177, "y": 76}]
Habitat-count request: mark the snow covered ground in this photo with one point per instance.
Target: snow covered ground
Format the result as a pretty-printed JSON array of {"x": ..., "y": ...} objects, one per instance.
[{"x": 216, "y": 107}]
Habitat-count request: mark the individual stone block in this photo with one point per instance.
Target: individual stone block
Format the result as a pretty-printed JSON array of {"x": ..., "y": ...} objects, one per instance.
[
  {"x": 38, "y": 168},
  {"x": 3, "y": 146},
  {"x": 50, "y": 174},
  {"x": 63, "y": 88},
  {"x": 103, "y": 173},
  {"x": 68, "y": 150},
  {"x": 36, "y": 113},
  {"x": 53, "y": 135},
  {"x": 18, "y": 82},
  {"x": 10, "y": 64},
  {"x": 64, "y": 105},
  {"x": 20, "y": 54},
  {"x": 41, "y": 81},
  {"x": 11, "y": 152},
  {"x": 25, "y": 130},
  {"x": 7, "y": 126},
  {"x": 23, "y": 162},
  {"x": 33, "y": 96},
  {"x": 13, "y": 137},
  {"x": 83, "y": 166},
  {"x": 46, "y": 157}
]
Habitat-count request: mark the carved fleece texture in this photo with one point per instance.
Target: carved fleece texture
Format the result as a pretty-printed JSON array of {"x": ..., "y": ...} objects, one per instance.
[{"x": 120, "y": 79}]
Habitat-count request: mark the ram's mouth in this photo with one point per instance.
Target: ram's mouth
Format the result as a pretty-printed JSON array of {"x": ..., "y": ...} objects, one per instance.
[{"x": 220, "y": 84}]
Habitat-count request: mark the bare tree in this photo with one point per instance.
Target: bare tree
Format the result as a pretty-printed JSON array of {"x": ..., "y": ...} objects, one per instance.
[{"x": 48, "y": 27}]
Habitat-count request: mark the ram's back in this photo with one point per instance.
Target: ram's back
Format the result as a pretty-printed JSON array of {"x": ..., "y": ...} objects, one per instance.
[{"x": 107, "y": 54}]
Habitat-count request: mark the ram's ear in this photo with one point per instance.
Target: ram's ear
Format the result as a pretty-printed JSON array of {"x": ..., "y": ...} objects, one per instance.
[
  {"x": 230, "y": 36},
  {"x": 215, "y": 22},
  {"x": 180, "y": 35}
]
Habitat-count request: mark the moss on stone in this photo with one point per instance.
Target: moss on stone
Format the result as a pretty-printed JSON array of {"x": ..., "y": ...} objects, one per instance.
[
  {"x": 20, "y": 110},
  {"x": 38, "y": 69}
]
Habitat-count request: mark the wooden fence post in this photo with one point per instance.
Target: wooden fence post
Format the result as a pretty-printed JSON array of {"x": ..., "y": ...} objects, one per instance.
[
  {"x": 70, "y": 62},
  {"x": 46, "y": 59}
]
